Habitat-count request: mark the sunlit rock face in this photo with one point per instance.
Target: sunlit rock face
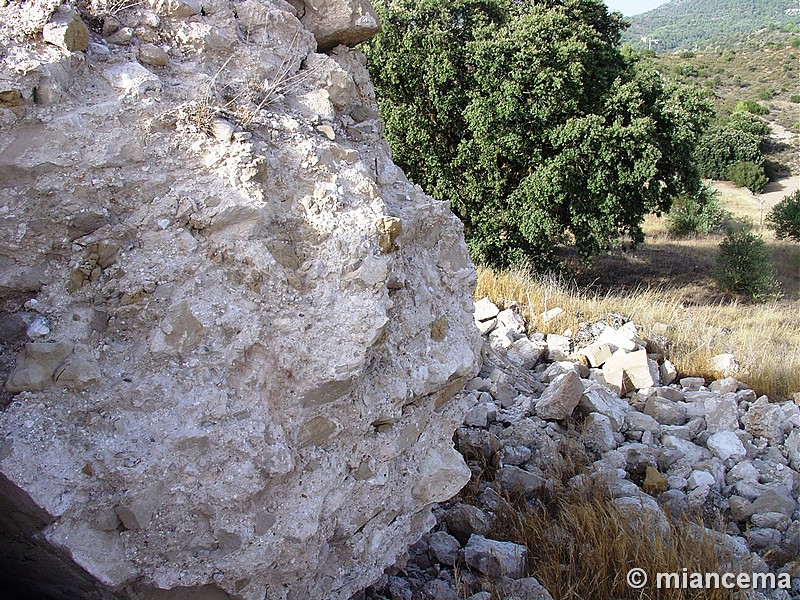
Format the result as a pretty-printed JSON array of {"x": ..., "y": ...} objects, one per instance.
[{"x": 231, "y": 328}]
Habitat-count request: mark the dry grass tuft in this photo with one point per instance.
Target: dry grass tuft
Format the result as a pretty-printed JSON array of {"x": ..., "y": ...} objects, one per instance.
[
  {"x": 581, "y": 546},
  {"x": 764, "y": 338}
]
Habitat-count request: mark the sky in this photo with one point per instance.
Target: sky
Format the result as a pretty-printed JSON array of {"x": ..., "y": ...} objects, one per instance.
[{"x": 634, "y": 7}]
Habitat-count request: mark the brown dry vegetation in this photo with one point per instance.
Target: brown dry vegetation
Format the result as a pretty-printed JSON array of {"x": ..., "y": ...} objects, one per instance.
[
  {"x": 665, "y": 286},
  {"x": 581, "y": 545}
]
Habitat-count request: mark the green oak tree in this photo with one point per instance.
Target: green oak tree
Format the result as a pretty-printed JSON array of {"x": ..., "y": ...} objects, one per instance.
[{"x": 528, "y": 118}]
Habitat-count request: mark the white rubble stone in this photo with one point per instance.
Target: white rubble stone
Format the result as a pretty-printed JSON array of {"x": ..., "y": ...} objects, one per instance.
[
  {"x": 557, "y": 369},
  {"x": 552, "y": 314},
  {"x": 665, "y": 411},
  {"x": 519, "y": 481},
  {"x": 700, "y": 479},
  {"x": 597, "y": 353},
  {"x": 725, "y": 364},
  {"x": 485, "y": 309},
  {"x": 132, "y": 78},
  {"x": 599, "y": 399},
  {"x": 525, "y": 352},
  {"x": 771, "y": 520},
  {"x": 773, "y": 501},
  {"x": 558, "y": 347},
  {"x": 512, "y": 321},
  {"x": 625, "y": 372},
  {"x": 692, "y": 453},
  {"x": 668, "y": 372},
  {"x": 597, "y": 434},
  {"x": 561, "y": 397},
  {"x": 616, "y": 338},
  {"x": 495, "y": 559},
  {"x": 638, "y": 421},
  {"x": 486, "y": 327},
  {"x": 793, "y": 449},
  {"x": 726, "y": 445},
  {"x": 724, "y": 386},
  {"x": 480, "y": 415},
  {"x": 721, "y": 413},
  {"x": 765, "y": 419},
  {"x": 692, "y": 383},
  {"x": 501, "y": 338}
]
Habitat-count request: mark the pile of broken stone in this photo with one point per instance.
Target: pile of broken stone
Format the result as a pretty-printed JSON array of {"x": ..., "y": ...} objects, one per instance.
[{"x": 662, "y": 444}]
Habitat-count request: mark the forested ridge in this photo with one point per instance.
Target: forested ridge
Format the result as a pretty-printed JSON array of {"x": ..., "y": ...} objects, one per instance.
[{"x": 700, "y": 23}]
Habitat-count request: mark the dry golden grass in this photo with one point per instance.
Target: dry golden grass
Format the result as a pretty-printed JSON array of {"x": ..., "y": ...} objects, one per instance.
[
  {"x": 765, "y": 338},
  {"x": 581, "y": 547}
]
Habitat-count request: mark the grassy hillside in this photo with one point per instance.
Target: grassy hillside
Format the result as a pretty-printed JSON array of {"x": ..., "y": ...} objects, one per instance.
[
  {"x": 765, "y": 72},
  {"x": 688, "y": 24}
]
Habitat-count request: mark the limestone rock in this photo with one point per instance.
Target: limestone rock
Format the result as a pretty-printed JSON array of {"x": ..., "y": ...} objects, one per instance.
[
  {"x": 444, "y": 548},
  {"x": 561, "y": 397},
  {"x": 721, "y": 413},
  {"x": 597, "y": 353},
  {"x": 726, "y": 445},
  {"x": 625, "y": 372},
  {"x": 464, "y": 520},
  {"x": 525, "y": 352},
  {"x": 598, "y": 399},
  {"x": 598, "y": 434},
  {"x": 511, "y": 321},
  {"x": 725, "y": 364},
  {"x": 665, "y": 411},
  {"x": 668, "y": 372},
  {"x": 485, "y": 309},
  {"x": 552, "y": 314},
  {"x": 793, "y": 449},
  {"x": 765, "y": 419},
  {"x": 558, "y": 347},
  {"x": 66, "y": 30},
  {"x": 334, "y": 22},
  {"x": 246, "y": 395},
  {"x": 496, "y": 559},
  {"x": 132, "y": 78},
  {"x": 150, "y": 54},
  {"x": 519, "y": 481},
  {"x": 527, "y": 588}
]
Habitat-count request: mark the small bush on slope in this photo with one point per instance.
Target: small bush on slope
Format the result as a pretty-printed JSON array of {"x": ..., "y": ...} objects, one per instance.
[
  {"x": 784, "y": 217},
  {"x": 743, "y": 265},
  {"x": 701, "y": 214}
]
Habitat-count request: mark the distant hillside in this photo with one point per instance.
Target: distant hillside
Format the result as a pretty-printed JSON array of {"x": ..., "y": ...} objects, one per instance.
[{"x": 688, "y": 24}]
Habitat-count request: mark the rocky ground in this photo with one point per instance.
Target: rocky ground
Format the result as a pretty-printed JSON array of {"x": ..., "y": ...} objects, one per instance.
[{"x": 662, "y": 445}]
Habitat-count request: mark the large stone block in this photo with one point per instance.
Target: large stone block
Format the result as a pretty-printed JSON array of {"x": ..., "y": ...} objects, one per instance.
[
  {"x": 335, "y": 22},
  {"x": 254, "y": 393}
]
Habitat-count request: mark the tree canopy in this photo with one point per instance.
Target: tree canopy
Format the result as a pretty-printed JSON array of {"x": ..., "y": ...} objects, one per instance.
[{"x": 530, "y": 121}]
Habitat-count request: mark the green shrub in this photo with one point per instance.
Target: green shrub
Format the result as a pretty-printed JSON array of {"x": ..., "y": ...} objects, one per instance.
[
  {"x": 795, "y": 98},
  {"x": 702, "y": 213},
  {"x": 751, "y": 106},
  {"x": 748, "y": 174},
  {"x": 765, "y": 94},
  {"x": 784, "y": 217},
  {"x": 743, "y": 265},
  {"x": 529, "y": 119},
  {"x": 728, "y": 141}
]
